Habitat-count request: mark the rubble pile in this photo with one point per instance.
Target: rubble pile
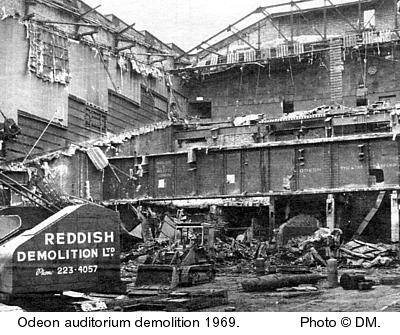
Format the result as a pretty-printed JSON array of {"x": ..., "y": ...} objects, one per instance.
[
  {"x": 233, "y": 251},
  {"x": 309, "y": 250},
  {"x": 361, "y": 254}
]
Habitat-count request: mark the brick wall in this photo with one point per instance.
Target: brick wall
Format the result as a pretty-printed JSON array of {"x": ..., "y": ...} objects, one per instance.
[{"x": 259, "y": 90}]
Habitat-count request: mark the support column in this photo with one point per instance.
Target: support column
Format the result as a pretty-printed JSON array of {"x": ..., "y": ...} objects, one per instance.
[
  {"x": 271, "y": 217},
  {"x": 395, "y": 219},
  {"x": 330, "y": 212}
]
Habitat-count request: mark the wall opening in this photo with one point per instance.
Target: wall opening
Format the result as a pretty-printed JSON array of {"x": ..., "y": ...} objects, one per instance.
[
  {"x": 369, "y": 19},
  {"x": 287, "y": 106},
  {"x": 201, "y": 109},
  {"x": 361, "y": 101},
  {"x": 378, "y": 174}
]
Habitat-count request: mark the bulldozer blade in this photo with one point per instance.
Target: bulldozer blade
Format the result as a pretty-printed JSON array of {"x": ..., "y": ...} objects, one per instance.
[{"x": 157, "y": 275}]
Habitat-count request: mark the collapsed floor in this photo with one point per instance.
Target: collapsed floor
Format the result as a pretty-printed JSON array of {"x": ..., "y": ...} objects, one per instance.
[
  {"x": 231, "y": 259},
  {"x": 289, "y": 271}
]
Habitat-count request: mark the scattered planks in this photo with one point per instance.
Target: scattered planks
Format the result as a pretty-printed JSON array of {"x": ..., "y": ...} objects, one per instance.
[{"x": 173, "y": 302}]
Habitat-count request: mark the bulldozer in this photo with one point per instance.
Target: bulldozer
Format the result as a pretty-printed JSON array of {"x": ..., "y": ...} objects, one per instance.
[{"x": 188, "y": 264}]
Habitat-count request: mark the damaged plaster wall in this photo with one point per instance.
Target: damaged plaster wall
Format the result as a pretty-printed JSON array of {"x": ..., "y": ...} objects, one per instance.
[
  {"x": 74, "y": 175},
  {"x": 21, "y": 89},
  {"x": 83, "y": 106}
]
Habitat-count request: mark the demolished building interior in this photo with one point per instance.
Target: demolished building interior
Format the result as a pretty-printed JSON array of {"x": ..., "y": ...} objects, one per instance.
[{"x": 270, "y": 147}]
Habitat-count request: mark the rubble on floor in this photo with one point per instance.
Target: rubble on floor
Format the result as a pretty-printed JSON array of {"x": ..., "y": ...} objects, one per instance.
[
  {"x": 367, "y": 255},
  {"x": 293, "y": 263}
]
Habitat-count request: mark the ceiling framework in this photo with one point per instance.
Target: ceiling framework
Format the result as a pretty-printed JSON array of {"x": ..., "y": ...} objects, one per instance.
[{"x": 218, "y": 44}]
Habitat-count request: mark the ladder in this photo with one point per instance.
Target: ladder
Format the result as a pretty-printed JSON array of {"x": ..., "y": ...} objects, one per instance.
[{"x": 336, "y": 71}]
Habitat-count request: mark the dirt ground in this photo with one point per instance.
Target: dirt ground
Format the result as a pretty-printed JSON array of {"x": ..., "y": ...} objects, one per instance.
[
  {"x": 379, "y": 298},
  {"x": 323, "y": 299}
]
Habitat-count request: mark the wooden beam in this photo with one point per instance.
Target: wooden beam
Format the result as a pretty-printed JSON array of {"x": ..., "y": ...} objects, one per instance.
[
  {"x": 87, "y": 33},
  {"x": 69, "y": 23},
  {"x": 330, "y": 211},
  {"x": 271, "y": 217},
  {"x": 394, "y": 205},
  {"x": 211, "y": 51},
  {"x": 119, "y": 33},
  {"x": 371, "y": 213},
  {"x": 268, "y": 16},
  {"x": 303, "y": 1},
  {"x": 87, "y": 12},
  {"x": 308, "y": 21},
  {"x": 285, "y": 4},
  {"x": 241, "y": 38},
  {"x": 325, "y": 21},
  {"x": 292, "y": 4},
  {"x": 105, "y": 66},
  {"x": 344, "y": 17},
  {"x": 215, "y": 35},
  {"x": 126, "y": 47}
]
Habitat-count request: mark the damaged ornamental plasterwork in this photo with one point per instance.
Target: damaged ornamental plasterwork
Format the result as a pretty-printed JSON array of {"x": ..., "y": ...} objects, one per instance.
[{"x": 48, "y": 54}]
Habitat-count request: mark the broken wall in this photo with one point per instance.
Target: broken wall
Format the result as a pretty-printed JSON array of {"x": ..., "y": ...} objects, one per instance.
[
  {"x": 76, "y": 176},
  {"x": 286, "y": 168},
  {"x": 95, "y": 77},
  {"x": 261, "y": 90},
  {"x": 308, "y": 24},
  {"x": 21, "y": 89}
]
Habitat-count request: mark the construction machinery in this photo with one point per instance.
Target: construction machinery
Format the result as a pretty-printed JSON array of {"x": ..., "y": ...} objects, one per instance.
[
  {"x": 186, "y": 263},
  {"x": 75, "y": 249},
  {"x": 176, "y": 268}
]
